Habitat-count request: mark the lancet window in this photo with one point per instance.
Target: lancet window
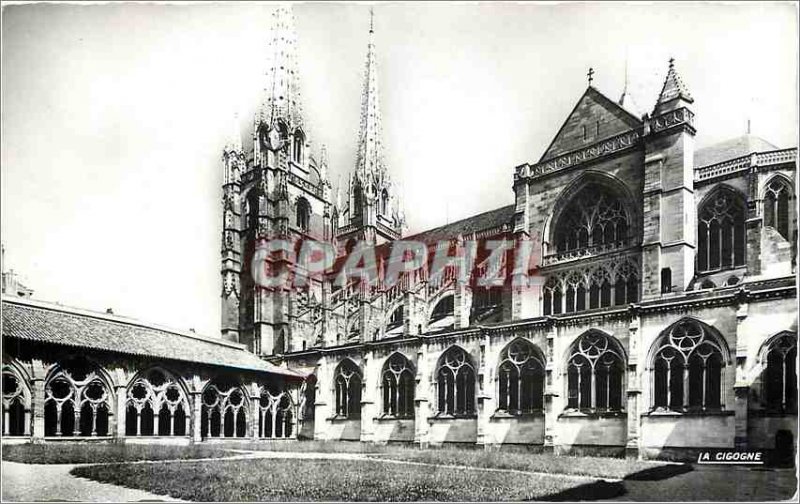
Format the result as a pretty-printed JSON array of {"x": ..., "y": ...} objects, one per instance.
[{"x": 596, "y": 374}]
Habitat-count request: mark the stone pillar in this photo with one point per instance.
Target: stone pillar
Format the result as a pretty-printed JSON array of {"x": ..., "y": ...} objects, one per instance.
[
  {"x": 370, "y": 385},
  {"x": 422, "y": 405},
  {"x": 633, "y": 388},
  {"x": 197, "y": 416},
  {"x": 120, "y": 417},
  {"x": 552, "y": 400},
  {"x": 255, "y": 409},
  {"x": 322, "y": 400},
  {"x": 37, "y": 406},
  {"x": 741, "y": 387},
  {"x": 485, "y": 394}
]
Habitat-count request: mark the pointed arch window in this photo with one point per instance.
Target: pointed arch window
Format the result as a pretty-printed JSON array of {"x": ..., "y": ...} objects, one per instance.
[
  {"x": 455, "y": 383},
  {"x": 397, "y": 387},
  {"x": 780, "y": 375},
  {"x": 444, "y": 308},
  {"x": 594, "y": 218},
  {"x": 298, "y": 144},
  {"x": 384, "y": 202},
  {"x": 276, "y": 418},
  {"x": 778, "y": 206},
  {"x": 596, "y": 374},
  {"x": 16, "y": 404},
  {"x": 721, "y": 232},
  {"x": 520, "y": 378},
  {"x": 348, "y": 390},
  {"x": 77, "y": 402},
  {"x": 303, "y": 214},
  {"x": 156, "y": 405},
  {"x": 358, "y": 201},
  {"x": 687, "y": 369},
  {"x": 223, "y": 411}
]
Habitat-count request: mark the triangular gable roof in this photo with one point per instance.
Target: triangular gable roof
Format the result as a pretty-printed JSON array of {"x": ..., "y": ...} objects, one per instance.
[{"x": 596, "y": 106}]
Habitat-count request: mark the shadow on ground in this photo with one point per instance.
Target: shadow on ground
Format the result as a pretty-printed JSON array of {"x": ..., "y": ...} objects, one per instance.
[{"x": 601, "y": 489}]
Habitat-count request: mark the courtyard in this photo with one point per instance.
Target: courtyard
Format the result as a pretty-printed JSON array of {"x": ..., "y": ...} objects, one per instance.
[{"x": 341, "y": 471}]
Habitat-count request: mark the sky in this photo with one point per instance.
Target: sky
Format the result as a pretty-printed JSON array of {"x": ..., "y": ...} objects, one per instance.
[{"x": 114, "y": 117}]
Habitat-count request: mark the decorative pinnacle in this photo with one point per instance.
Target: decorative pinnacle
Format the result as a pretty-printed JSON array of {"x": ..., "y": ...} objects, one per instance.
[
  {"x": 590, "y": 75},
  {"x": 371, "y": 20}
]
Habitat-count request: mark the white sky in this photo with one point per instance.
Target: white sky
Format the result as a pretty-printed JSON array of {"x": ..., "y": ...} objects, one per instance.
[{"x": 114, "y": 117}]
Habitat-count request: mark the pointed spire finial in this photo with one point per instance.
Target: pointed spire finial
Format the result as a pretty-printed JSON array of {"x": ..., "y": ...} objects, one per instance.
[
  {"x": 625, "y": 87},
  {"x": 371, "y": 20},
  {"x": 674, "y": 93},
  {"x": 590, "y": 75}
]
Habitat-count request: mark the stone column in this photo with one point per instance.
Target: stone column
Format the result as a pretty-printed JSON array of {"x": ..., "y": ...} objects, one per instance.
[
  {"x": 322, "y": 399},
  {"x": 485, "y": 394},
  {"x": 741, "y": 387},
  {"x": 37, "y": 407},
  {"x": 422, "y": 399},
  {"x": 370, "y": 384},
  {"x": 633, "y": 388},
  {"x": 552, "y": 400},
  {"x": 197, "y": 416},
  {"x": 255, "y": 411}
]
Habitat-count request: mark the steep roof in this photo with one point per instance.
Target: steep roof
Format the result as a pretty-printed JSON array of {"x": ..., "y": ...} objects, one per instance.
[
  {"x": 593, "y": 106},
  {"x": 673, "y": 89},
  {"x": 731, "y": 149},
  {"x": 49, "y": 323},
  {"x": 475, "y": 224}
]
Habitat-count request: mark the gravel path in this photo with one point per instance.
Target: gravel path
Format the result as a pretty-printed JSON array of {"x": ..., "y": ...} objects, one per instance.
[{"x": 52, "y": 482}]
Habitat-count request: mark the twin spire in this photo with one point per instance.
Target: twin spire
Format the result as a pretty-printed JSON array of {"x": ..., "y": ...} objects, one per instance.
[
  {"x": 282, "y": 84},
  {"x": 369, "y": 157}
]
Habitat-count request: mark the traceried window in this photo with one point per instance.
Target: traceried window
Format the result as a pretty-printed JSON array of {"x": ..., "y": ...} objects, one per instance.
[
  {"x": 224, "y": 410},
  {"x": 778, "y": 206},
  {"x": 358, "y": 201},
  {"x": 397, "y": 387},
  {"x": 156, "y": 406},
  {"x": 77, "y": 402},
  {"x": 16, "y": 404},
  {"x": 595, "y": 374},
  {"x": 687, "y": 369},
  {"x": 455, "y": 383},
  {"x": 594, "y": 217},
  {"x": 720, "y": 232},
  {"x": 303, "y": 214},
  {"x": 593, "y": 286},
  {"x": 780, "y": 377},
  {"x": 520, "y": 378},
  {"x": 347, "y": 386},
  {"x": 275, "y": 414}
]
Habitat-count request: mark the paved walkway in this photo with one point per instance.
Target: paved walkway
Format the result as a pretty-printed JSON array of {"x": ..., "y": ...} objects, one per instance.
[{"x": 52, "y": 482}]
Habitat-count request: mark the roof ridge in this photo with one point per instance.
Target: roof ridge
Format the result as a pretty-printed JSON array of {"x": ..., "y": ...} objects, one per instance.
[
  {"x": 120, "y": 319},
  {"x": 504, "y": 207}
]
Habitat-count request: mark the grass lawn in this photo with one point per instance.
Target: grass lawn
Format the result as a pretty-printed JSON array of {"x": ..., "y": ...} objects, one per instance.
[
  {"x": 82, "y": 453},
  {"x": 602, "y": 467},
  {"x": 325, "y": 480}
]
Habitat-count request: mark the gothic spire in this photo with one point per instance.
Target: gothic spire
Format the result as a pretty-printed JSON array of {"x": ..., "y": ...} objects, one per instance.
[
  {"x": 369, "y": 158},
  {"x": 673, "y": 91},
  {"x": 282, "y": 83}
]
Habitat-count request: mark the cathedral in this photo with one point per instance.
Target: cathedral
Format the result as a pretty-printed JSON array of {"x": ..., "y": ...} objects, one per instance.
[{"x": 663, "y": 319}]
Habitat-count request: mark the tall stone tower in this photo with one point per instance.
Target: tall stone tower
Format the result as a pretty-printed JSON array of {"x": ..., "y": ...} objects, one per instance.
[
  {"x": 669, "y": 205},
  {"x": 274, "y": 189},
  {"x": 371, "y": 210}
]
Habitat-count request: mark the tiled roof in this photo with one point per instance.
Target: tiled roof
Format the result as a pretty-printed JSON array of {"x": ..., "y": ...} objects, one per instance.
[
  {"x": 731, "y": 149},
  {"x": 465, "y": 227},
  {"x": 48, "y": 323}
]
